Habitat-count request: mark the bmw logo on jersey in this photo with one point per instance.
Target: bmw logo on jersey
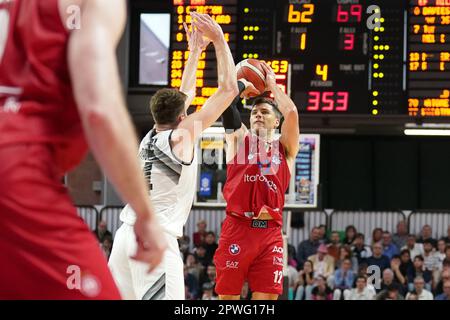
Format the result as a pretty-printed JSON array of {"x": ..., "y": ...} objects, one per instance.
[{"x": 234, "y": 249}]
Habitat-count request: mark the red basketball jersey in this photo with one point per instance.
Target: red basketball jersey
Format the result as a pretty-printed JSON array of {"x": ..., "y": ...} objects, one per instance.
[
  {"x": 36, "y": 100},
  {"x": 257, "y": 179}
]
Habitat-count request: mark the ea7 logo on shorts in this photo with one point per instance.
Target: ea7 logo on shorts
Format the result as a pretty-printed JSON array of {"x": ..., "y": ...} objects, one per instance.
[
  {"x": 277, "y": 261},
  {"x": 234, "y": 249},
  {"x": 277, "y": 249},
  {"x": 232, "y": 264}
]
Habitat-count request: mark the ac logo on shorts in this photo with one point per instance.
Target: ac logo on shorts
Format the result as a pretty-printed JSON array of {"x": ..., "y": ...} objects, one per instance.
[
  {"x": 277, "y": 249},
  {"x": 234, "y": 249}
]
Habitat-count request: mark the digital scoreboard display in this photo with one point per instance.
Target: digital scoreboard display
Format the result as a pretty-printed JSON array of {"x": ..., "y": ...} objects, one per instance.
[{"x": 335, "y": 58}]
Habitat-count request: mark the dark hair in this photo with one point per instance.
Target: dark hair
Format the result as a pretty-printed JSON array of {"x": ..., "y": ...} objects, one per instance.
[
  {"x": 361, "y": 277},
  {"x": 166, "y": 105},
  {"x": 419, "y": 257},
  {"x": 274, "y": 105},
  {"x": 428, "y": 241},
  {"x": 359, "y": 235},
  {"x": 405, "y": 251}
]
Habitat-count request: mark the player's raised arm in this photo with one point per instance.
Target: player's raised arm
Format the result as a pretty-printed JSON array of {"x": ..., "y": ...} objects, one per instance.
[
  {"x": 106, "y": 122},
  {"x": 227, "y": 86},
  {"x": 197, "y": 43},
  {"x": 290, "y": 131}
]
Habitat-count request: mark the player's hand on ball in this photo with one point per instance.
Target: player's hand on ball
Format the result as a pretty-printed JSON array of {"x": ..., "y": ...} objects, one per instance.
[
  {"x": 250, "y": 90},
  {"x": 196, "y": 40},
  {"x": 206, "y": 25},
  {"x": 271, "y": 81},
  {"x": 151, "y": 242}
]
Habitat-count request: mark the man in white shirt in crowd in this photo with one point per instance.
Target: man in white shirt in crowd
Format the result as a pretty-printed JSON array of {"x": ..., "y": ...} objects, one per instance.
[
  {"x": 415, "y": 249},
  {"x": 419, "y": 290},
  {"x": 361, "y": 292}
]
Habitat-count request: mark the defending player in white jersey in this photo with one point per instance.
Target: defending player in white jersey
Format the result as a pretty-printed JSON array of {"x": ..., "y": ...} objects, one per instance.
[{"x": 169, "y": 163}]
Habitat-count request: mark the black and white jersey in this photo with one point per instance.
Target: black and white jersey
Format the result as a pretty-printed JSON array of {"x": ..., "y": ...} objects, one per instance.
[{"x": 171, "y": 182}]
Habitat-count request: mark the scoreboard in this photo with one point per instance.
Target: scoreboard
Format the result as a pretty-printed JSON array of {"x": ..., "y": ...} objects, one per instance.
[{"x": 335, "y": 58}]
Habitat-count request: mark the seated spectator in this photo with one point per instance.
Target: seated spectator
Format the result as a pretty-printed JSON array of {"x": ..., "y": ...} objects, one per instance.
[
  {"x": 361, "y": 291},
  {"x": 191, "y": 285},
  {"x": 401, "y": 236},
  {"x": 106, "y": 245},
  {"x": 391, "y": 293},
  {"x": 399, "y": 277},
  {"x": 308, "y": 247},
  {"x": 412, "y": 296},
  {"x": 102, "y": 230},
  {"x": 292, "y": 256},
  {"x": 321, "y": 291},
  {"x": 445, "y": 276},
  {"x": 430, "y": 258},
  {"x": 377, "y": 236},
  {"x": 343, "y": 279},
  {"x": 419, "y": 271},
  {"x": 447, "y": 238},
  {"x": 360, "y": 251},
  {"x": 305, "y": 281},
  {"x": 199, "y": 236},
  {"x": 210, "y": 245},
  {"x": 388, "y": 281},
  {"x": 334, "y": 245},
  {"x": 406, "y": 265},
  {"x": 345, "y": 252},
  {"x": 389, "y": 248},
  {"x": 208, "y": 291},
  {"x": 426, "y": 234},
  {"x": 193, "y": 266},
  {"x": 446, "y": 294},
  {"x": 292, "y": 283},
  {"x": 208, "y": 277},
  {"x": 200, "y": 255},
  {"x": 323, "y": 233},
  {"x": 440, "y": 253},
  {"x": 323, "y": 262},
  {"x": 378, "y": 258},
  {"x": 350, "y": 234},
  {"x": 415, "y": 249},
  {"x": 183, "y": 244},
  {"x": 419, "y": 290}
]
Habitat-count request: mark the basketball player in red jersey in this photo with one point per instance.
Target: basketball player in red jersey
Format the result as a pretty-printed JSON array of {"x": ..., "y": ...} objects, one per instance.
[
  {"x": 258, "y": 174},
  {"x": 59, "y": 89}
]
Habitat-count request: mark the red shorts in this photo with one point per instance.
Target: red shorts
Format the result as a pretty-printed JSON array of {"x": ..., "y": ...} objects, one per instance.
[
  {"x": 46, "y": 250},
  {"x": 249, "y": 250}
]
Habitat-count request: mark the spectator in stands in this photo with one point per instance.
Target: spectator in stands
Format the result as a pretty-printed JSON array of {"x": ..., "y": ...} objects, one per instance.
[
  {"x": 388, "y": 281},
  {"x": 321, "y": 291},
  {"x": 305, "y": 281},
  {"x": 447, "y": 238},
  {"x": 208, "y": 291},
  {"x": 377, "y": 235},
  {"x": 389, "y": 248},
  {"x": 335, "y": 244},
  {"x": 345, "y": 252},
  {"x": 106, "y": 245},
  {"x": 399, "y": 277},
  {"x": 447, "y": 252},
  {"x": 419, "y": 271},
  {"x": 184, "y": 244},
  {"x": 446, "y": 294},
  {"x": 378, "y": 258},
  {"x": 350, "y": 234},
  {"x": 415, "y": 249},
  {"x": 343, "y": 279},
  {"x": 323, "y": 233},
  {"x": 406, "y": 265},
  {"x": 426, "y": 234},
  {"x": 200, "y": 254},
  {"x": 391, "y": 293},
  {"x": 419, "y": 289},
  {"x": 193, "y": 266},
  {"x": 199, "y": 236},
  {"x": 323, "y": 263},
  {"x": 210, "y": 245},
  {"x": 208, "y": 276},
  {"x": 430, "y": 258},
  {"x": 361, "y": 292},
  {"x": 360, "y": 251},
  {"x": 401, "y": 236},
  {"x": 308, "y": 247},
  {"x": 291, "y": 256},
  {"x": 445, "y": 276},
  {"x": 412, "y": 296},
  {"x": 101, "y": 231},
  {"x": 191, "y": 285},
  {"x": 440, "y": 253}
]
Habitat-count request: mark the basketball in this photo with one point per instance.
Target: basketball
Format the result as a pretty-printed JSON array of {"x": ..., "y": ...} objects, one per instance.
[{"x": 251, "y": 70}]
